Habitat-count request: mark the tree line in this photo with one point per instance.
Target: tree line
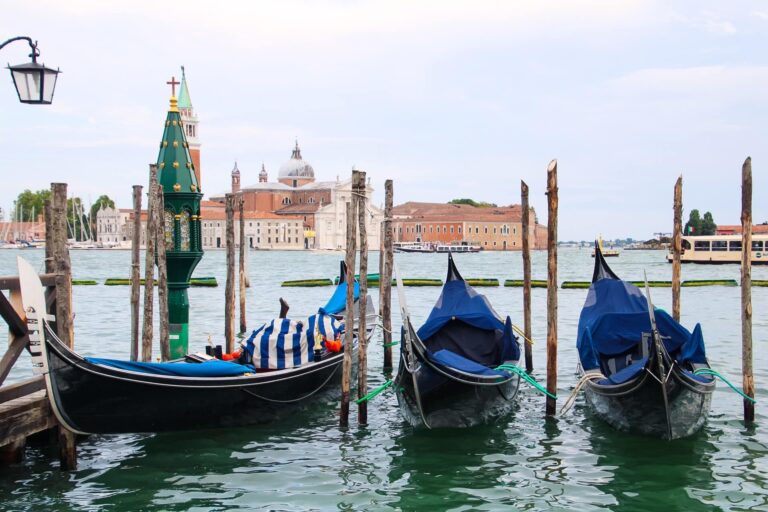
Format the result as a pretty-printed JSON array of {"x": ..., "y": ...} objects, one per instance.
[{"x": 81, "y": 220}]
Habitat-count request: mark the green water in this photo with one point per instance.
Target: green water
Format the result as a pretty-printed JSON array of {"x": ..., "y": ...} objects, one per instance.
[{"x": 306, "y": 462}]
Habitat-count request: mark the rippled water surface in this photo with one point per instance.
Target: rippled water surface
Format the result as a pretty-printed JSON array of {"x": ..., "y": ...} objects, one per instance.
[{"x": 306, "y": 462}]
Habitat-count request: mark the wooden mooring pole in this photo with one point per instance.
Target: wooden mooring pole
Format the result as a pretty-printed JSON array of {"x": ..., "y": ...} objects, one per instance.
[
  {"x": 349, "y": 315},
  {"x": 241, "y": 212},
  {"x": 62, "y": 265},
  {"x": 526, "y": 277},
  {"x": 552, "y": 287},
  {"x": 385, "y": 278},
  {"x": 746, "y": 290},
  {"x": 229, "y": 291},
  {"x": 149, "y": 265},
  {"x": 50, "y": 264},
  {"x": 162, "y": 276},
  {"x": 677, "y": 231},
  {"x": 358, "y": 193},
  {"x": 135, "y": 272}
]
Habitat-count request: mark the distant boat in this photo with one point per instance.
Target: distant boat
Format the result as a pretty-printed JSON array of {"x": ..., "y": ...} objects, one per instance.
[
  {"x": 413, "y": 247},
  {"x": 607, "y": 253},
  {"x": 721, "y": 249},
  {"x": 641, "y": 368},
  {"x": 458, "y": 248}
]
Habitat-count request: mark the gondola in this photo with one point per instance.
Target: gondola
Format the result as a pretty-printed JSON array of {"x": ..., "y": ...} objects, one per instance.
[
  {"x": 448, "y": 376},
  {"x": 639, "y": 365},
  {"x": 101, "y": 396}
]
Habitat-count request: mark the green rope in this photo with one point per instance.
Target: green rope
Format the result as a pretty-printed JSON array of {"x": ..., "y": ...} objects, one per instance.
[
  {"x": 391, "y": 344},
  {"x": 527, "y": 378},
  {"x": 709, "y": 371},
  {"x": 374, "y": 392}
]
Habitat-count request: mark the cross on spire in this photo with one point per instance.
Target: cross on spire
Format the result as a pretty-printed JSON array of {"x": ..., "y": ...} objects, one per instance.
[{"x": 173, "y": 83}]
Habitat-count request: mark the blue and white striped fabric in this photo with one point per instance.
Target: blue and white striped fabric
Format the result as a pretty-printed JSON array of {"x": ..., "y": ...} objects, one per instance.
[
  {"x": 325, "y": 325},
  {"x": 278, "y": 345},
  {"x": 285, "y": 343}
]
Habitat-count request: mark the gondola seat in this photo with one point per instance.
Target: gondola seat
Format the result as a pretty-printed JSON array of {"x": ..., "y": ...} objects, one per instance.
[
  {"x": 213, "y": 368},
  {"x": 625, "y": 374},
  {"x": 455, "y": 361}
]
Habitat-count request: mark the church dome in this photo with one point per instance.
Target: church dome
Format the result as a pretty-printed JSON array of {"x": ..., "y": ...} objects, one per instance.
[{"x": 296, "y": 167}]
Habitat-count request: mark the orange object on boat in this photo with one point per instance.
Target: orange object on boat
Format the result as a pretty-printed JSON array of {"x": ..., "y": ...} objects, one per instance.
[
  {"x": 231, "y": 357},
  {"x": 333, "y": 345}
]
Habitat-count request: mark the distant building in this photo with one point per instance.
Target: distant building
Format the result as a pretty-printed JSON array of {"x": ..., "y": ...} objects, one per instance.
[
  {"x": 114, "y": 227},
  {"x": 296, "y": 194},
  {"x": 757, "y": 229},
  {"x": 263, "y": 230},
  {"x": 493, "y": 228},
  {"x": 30, "y": 231}
]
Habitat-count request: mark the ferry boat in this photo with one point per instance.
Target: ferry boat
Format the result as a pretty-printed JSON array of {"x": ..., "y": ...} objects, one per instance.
[
  {"x": 720, "y": 249},
  {"x": 413, "y": 247}
]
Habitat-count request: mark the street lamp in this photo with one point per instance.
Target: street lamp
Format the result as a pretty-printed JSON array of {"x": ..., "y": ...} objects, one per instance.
[{"x": 34, "y": 82}]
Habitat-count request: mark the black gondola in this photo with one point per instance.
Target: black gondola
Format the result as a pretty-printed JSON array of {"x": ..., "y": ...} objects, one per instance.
[
  {"x": 638, "y": 363},
  {"x": 448, "y": 376},
  {"x": 97, "y": 396}
]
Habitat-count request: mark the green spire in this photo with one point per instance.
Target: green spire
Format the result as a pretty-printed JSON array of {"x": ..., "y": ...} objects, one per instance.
[
  {"x": 176, "y": 172},
  {"x": 184, "y": 100}
]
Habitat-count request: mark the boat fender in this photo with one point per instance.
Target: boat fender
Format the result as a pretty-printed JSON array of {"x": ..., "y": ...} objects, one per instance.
[{"x": 234, "y": 356}]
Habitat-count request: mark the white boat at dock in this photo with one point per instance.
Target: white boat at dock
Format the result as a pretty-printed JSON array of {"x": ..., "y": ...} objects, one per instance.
[{"x": 721, "y": 249}]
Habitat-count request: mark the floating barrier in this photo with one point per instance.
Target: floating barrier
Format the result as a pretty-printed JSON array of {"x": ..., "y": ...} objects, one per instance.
[
  {"x": 372, "y": 278},
  {"x": 518, "y": 283},
  {"x": 662, "y": 284},
  {"x": 84, "y": 282},
  {"x": 759, "y": 283},
  {"x": 710, "y": 282},
  {"x": 195, "y": 281},
  {"x": 308, "y": 283},
  {"x": 482, "y": 281}
]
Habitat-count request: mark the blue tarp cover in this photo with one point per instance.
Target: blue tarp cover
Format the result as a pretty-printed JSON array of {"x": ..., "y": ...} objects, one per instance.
[
  {"x": 614, "y": 317},
  {"x": 338, "y": 301},
  {"x": 459, "y": 301},
  {"x": 453, "y": 360},
  {"x": 214, "y": 368}
]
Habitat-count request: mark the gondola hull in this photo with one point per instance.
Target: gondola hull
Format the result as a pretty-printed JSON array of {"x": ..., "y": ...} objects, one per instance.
[
  {"x": 95, "y": 399},
  {"x": 638, "y": 406},
  {"x": 430, "y": 399}
]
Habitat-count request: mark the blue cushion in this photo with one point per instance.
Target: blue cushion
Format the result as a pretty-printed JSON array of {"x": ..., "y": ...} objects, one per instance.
[
  {"x": 213, "y": 368},
  {"x": 625, "y": 374},
  {"x": 450, "y": 359}
]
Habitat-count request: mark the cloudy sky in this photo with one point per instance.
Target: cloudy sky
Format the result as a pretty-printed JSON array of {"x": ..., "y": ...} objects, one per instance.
[{"x": 450, "y": 99}]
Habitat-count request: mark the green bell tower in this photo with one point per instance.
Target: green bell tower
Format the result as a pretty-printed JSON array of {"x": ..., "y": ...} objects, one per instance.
[{"x": 183, "y": 241}]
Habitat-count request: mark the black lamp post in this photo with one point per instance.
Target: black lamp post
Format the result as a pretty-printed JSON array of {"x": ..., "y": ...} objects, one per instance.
[{"x": 34, "y": 82}]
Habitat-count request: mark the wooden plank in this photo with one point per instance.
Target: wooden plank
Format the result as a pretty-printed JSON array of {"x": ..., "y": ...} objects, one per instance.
[
  {"x": 25, "y": 416},
  {"x": 16, "y": 347},
  {"x": 12, "y": 282},
  {"x": 746, "y": 290},
  {"x": 16, "y": 324},
  {"x": 21, "y": 388}
]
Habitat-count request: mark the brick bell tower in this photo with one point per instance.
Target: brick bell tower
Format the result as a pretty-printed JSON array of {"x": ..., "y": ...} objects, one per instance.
[{"x": 190, "y": 123}]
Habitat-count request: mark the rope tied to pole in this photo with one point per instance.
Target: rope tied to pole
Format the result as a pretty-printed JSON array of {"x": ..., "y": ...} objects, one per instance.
[
  {"x": 374, "y": 393},
  {"x": 571, "y": 401},
  {"x": 714, "y": 373},
  {"x": 526, "y": 377}
]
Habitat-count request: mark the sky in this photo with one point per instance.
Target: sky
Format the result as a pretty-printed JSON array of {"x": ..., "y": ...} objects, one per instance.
[{"x": 448, "y": 99}]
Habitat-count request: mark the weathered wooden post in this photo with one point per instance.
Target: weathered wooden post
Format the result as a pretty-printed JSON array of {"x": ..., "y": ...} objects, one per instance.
[
  {"x": 526, "y": 277},
  {"x": 150, "y": 238},
  {"x": 746, "y": 290},
  {"x": 50, "y": 264},
  {"x": 135, "y": 272},
  {"x": 385, "y": 277},
  {"x": 552, "y": 287},
  {"x": 162, "y": 275},
  {"x": 358, "y": 192},
  {"x": 349, "y": 315},
  {"x": 229, "y": 291},
  {"x": 241, "y": 208},
  {"x": 677, "y": 231},
  {"x": 62, "y": 265}
]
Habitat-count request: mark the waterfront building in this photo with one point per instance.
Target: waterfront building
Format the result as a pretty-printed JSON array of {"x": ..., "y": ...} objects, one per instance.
[
  {"x": 757, "y": 229},
  {"x": 114, "y": 227},
  {"x": 492, "y": 228},
  {"x": 263, "y": 230},
  {"x": 296, "y": 194}
]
